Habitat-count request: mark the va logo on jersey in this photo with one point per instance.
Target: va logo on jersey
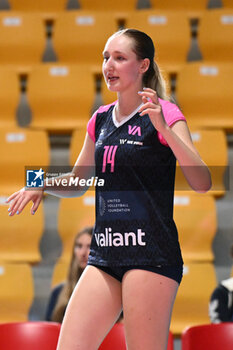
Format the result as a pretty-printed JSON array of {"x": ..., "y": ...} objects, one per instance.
[{"x": 134, "y": 130}]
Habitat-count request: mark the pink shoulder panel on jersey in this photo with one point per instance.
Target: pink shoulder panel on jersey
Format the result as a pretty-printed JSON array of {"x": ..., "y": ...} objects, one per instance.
[
  {"x": 91, "y": 122},
  {"x": 170, "y": 111},
  {"x": 171, "y": 114}
]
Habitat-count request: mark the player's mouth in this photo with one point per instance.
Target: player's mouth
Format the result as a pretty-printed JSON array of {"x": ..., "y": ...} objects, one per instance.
[{"x": 112, "y": 79}]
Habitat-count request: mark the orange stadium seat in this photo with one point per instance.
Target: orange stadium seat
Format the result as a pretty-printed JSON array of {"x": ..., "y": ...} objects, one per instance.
[
  {"x": 60, "y": 96},
  {"x": 227, "y": 3},
  {"x": 107, "y": 95},
  {"x": 80, "y": 36},
  {"x": 16, "y": 292},
  {"x": 22, "y": 39},
  {"x": 29, "y": 335},
  {"x": 110, "y": 96},
  {"x": 108, "y": 5},
  {"x": 9, "y": 97},
  {"x": 191, "y": 304},
  {"x": 158, "y": 24},
  {"x": 38, "y": 5},
  {"x": 204, "y": 92},
  {"x": 59, "y": 272},
  {"x": 196, "y": 219},
  {"x": 209, "y": 336},
  {"x": 21, "y": 148},
  {"x": 76, "y": 145},
  {"x": 20, "y": 235},
  {"x": 215, "y": 35},
  {"x": 193, "y": 8},
  {"x": 74, "y": 214},
  {"x": 212, "y": 146}
]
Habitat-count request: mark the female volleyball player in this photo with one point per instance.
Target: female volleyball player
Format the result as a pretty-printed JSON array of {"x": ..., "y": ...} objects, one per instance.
[{"x": 135, "y": 260}]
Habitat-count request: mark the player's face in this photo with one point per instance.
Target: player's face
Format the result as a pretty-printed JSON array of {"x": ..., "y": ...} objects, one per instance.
[
  {"x": 82, "y": 249},
  {"x": 121, "y": 68}
]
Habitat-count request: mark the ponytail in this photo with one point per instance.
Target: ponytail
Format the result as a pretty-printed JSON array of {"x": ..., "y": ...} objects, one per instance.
[{"x": 154, "y": 79}]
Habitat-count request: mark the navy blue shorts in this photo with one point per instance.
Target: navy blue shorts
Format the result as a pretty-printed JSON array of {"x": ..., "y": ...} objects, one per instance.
[{"x": 174, "y": 272}]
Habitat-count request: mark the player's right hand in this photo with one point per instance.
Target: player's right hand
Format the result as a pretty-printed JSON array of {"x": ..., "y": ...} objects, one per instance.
[{"x": 21, "y": 198}]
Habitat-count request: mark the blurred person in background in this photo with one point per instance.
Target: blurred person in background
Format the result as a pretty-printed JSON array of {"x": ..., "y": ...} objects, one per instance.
[{"x": 221, "y": 301}]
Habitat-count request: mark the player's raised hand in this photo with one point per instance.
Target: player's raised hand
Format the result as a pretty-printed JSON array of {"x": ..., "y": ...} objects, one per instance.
[
  {"x": 21, "y": 198},
  {"x": 152, "y": 107}
]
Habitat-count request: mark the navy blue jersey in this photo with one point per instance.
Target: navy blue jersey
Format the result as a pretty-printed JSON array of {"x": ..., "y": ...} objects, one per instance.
[{"x": 134, "y": 209}]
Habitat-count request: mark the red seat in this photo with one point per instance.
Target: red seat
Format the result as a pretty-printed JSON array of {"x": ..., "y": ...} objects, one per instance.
[
  {"x": 115, "y": 340},
  {"x": 170, "y": 345},
  {"x": 29, "y": 335},
  {"x": 210, "y": 336}
]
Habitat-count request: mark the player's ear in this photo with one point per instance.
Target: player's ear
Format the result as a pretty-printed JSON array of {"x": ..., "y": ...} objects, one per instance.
[{"x": 145, "y": 63}]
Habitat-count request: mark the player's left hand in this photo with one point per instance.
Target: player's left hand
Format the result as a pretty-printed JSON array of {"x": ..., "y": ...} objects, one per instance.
[{"x": 152, "y": 107}]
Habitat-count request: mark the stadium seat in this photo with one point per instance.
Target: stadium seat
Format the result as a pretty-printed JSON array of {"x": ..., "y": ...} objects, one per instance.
[
  {"x": 59, "y": 273},
  {"x": 108, "y": 5},
  {"x": 209, "y": 336},
  {"x": 191, "y": 304},
  {"x": 109, "y": 96},
  {"x": 74, "y": 214},
  {"x": 72, "y": 29},
  {"x": 192, "y": 8},
  {"x": 115, "y": 339},
  {"x": 204, "y": 93},
  {"x": 20, "y": 235},
  {"x": 29, "y": 335},
  {"x": 22, "y": 39},
  {"x": 9, "y": 97},
  {"x": 38, "y": 5},
  {"x": 215, "y": 35},
  {"x": 196, "y": 219},
  {"x": 227, "y": 3},
  {"x": 16, "y": 293},
  {"x": 76, "y": 144},
  {"x": 170, "y": 53},
  {"x": 60, "y": 96},
  {"x": 21, "y": 148},
  {"x": 170, "y": 345},
  {"x": 212, "y": 146}
]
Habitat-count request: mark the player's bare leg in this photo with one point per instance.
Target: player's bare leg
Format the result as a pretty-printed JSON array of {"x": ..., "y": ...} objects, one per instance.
[{"x": 94, "y": 307}]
